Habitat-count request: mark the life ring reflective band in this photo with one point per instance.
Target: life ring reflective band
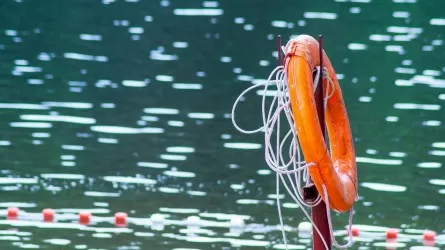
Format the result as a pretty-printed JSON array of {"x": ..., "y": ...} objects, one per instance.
[{"x": 337, "y": 169}]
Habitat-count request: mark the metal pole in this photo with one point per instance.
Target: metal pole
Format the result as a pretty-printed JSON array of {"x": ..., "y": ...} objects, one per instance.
[{"x": 319, "y": 215}]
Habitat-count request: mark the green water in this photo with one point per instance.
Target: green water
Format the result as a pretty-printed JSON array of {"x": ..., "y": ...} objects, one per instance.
[{"x": 114, "y": 106}]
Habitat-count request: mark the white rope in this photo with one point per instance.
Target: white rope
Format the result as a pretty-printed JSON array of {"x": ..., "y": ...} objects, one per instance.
[
  {"x": 293, "y": 172},
  {"x": 328, "y": 213}
]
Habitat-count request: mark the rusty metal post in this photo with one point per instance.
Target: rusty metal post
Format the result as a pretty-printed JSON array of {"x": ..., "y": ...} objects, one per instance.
[{"x": 319, "y": 215}]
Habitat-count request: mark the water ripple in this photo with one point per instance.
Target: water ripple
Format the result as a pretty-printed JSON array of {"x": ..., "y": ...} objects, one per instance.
[
  {"x": 63, "y": 176},
  {"x": 416, "y": 106},
  {"x": 379, "y": 161},
  {"x": 320, "y": 15},
  {"x": 133, "y": 83},
  {"x": 437, "y": 21},
  {"x": 383, "y": 187},
  {"x": 194, "y": 86},
  {"x": 180, "y": 174},
  {"x": 152, "y": 165},
  {"x": 73, "y": 105},
  {"x": 161, "y": 111},
  {"x": 90, "y": 37},
  {"x": 242, "y": 145},
  {"x": 59, "y": 118},
  {"x": 126, "y": 130},
  {"x": 7, "y": 180},
  {"x": 78, "y": 56},
  {"x": 31, "y": 125},
  {"x": 180, "y": 150},
  {"x": 198, "y": 12},
  {"x": 129, "y": 180}
]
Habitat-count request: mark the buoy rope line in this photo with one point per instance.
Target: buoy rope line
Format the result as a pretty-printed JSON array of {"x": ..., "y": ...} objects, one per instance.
[
  {"x": 17, "y": 217},
  {"x": 293, "y": 172}
]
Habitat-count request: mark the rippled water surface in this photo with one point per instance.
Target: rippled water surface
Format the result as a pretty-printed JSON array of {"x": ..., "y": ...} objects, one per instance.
[{"x": 124, "y": 106}]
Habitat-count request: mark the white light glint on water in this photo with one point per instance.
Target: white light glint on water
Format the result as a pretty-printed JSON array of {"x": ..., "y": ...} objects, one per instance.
[
  {"x": 198, "y": 12},
  {"x": 320, "y": 15},
  {"x": 383, "y": 187}
]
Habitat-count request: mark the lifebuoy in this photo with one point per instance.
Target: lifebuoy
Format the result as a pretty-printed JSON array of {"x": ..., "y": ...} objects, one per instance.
[{"x": 336, "y": 170}]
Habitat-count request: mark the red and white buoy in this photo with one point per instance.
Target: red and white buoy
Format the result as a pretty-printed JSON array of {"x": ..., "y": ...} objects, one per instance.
[
  {"x": 48, "y": 215},
  {"x": 120, "y": 219},
  {"x": 392, "y": 233},
  {"x": 429, "y": 238},
  {"x": 429, "y": 235},
  {"x": 12, "y": 213},
  {"x": 84, "y": 217}
]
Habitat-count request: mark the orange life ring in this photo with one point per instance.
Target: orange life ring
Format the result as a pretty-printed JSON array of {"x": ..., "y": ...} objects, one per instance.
[{"x": 337, "y": 169}]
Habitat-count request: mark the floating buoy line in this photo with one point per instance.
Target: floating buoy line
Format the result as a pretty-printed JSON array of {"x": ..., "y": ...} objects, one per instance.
[{"x": 236, "y": 224}]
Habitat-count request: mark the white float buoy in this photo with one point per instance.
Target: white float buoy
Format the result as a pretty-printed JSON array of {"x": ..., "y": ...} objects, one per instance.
[
  {"x": 236, "y": 225},
  {"x": 157, "y": 218},
  {"x": 304, "y": 229},
  {"x": 193, "y": 221},
  {"x": 237, "y": 222},
  {"x": 157, "y": 222}
]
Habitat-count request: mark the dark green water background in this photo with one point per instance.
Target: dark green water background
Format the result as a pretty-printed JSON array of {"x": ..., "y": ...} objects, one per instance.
[{"x": 80, "y": 78}]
